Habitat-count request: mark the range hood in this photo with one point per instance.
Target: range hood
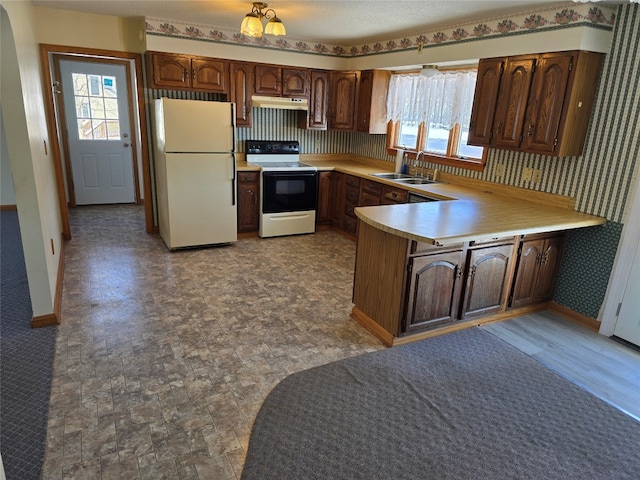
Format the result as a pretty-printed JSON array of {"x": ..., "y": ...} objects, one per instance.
[{"x": 280, "y": 102}]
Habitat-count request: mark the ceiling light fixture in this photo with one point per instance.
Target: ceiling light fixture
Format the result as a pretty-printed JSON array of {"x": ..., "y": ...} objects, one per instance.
[
  {"x": 252, "y": 23},
  {"x": 429, "y": 70}
]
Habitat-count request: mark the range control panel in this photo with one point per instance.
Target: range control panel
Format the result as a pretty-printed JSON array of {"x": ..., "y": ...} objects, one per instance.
[{"x": 266, "y": 147}]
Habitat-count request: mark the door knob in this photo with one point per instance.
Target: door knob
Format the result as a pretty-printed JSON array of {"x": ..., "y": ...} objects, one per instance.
[{"x": 126, "y": 144}]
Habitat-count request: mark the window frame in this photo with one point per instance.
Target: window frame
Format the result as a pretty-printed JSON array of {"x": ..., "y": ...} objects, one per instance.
[{"x": 449, "y": 159}]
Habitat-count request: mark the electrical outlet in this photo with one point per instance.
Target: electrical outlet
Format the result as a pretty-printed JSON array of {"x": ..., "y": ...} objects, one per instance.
[
  {"x": 317, "y": 145},
  {"x": 499, "y": 172},
  {"x": 537, "y": 175},
  {"x": 527, "y": 173}
]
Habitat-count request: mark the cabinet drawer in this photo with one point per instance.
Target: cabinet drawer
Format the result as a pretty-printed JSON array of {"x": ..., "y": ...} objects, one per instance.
[
  {"x": 248, "y": 177},
  {"x": 366, "y": 199},
  {"x": 371, "y": 187},
  {"x": 394, "y": 195},
  {"x": 493, "y": 241},
  {"x": 353, "y": 195},
  {"x": 421, "y": 248},
  {"x": 349, "y": 210},
  {"x": 353, "y": 181}
]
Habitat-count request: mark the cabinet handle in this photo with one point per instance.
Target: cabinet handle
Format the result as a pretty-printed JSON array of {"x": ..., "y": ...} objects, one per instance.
[
  {"x": 545, "y": 259},
  {"x": 499, "y": 129},
  {"x": 530, "y": 130},
  {"x": 473, "y": 271},
  {"x": 458, "y": 272}
]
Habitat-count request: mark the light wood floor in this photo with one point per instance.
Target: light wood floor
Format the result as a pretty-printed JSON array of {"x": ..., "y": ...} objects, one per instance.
[{"x": 598, "y": 364}]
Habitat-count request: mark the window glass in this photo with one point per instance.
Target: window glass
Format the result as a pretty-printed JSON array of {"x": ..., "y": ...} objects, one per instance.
[
  {"x": 437, "y": 139},
  {"x": 96, "y": 102}
]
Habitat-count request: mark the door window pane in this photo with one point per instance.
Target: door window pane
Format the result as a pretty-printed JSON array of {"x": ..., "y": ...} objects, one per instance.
[
  {"x": 79, "y": 84},
  {"x": 113, "y": 130},
  {"x": 96, "y": 102}
]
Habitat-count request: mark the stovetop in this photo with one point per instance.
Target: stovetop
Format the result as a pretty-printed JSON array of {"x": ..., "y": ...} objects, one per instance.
[{"x": 275, "y": 155}]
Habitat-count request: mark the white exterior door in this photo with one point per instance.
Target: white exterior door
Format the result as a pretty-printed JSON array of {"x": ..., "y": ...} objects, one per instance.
[
  {"x": 628, "y": 322},
  {"x": 98, "y": 132}
]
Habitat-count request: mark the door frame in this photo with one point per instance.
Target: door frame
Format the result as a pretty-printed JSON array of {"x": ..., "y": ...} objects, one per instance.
[
  {"x": 622, "y": 265},
  {"x": 63, "y": 125},
  {"x": 55, "y": 122}
]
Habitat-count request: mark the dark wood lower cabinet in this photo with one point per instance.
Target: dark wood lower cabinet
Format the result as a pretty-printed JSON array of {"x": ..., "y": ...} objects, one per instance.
[
  {"x": 486, "y": 280},
  {"x": 538, "y": 263},
  {"x": 324, "y": 214},
  {"x": 434, "y": 290},
  {"x": 248, "y": 201}
]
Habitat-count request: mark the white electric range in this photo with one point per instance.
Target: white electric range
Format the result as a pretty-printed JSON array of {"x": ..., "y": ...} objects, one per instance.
[{"x": 288, "y": 188}]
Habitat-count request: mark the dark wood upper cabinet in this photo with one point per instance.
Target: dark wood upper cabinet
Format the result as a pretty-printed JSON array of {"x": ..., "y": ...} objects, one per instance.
[
  {"x": 512, "y": 101},
  {"x": 547, "y": 99},
  {"x": 209, "y": 75},
  {"x": 485, "y": 100},
  {"x": 277, "y": 81},
  {"x": 372, "y": 101},
  {"x": 184, "y": 72},
  {"x": 295, "y": 82},
  {"x": 316, "y": 117},
  {"x": 240, "y": 91},
  {"x": 343, "y": 93},
  {"x": 169, "y": 70},
  {"x": 542, "y": 102}
]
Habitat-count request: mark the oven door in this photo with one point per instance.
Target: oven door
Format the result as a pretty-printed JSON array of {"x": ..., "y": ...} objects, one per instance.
[{"x": 289, "y": 191}]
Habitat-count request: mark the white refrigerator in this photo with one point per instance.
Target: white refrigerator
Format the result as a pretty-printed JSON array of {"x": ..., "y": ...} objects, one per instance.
[{"x": 195, "y": 172}]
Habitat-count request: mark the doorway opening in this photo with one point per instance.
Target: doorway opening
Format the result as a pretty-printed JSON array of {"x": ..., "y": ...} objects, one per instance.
[{"x": 96, "y": 115}]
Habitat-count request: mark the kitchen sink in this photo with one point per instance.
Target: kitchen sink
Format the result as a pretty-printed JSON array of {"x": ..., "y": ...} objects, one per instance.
[
  {"x": 392, "y": 175},
  {"x": 416, "y": 181}
]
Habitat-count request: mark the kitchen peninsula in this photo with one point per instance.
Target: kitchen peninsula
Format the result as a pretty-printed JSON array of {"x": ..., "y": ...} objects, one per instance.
[{"x": 429, "y": 268}]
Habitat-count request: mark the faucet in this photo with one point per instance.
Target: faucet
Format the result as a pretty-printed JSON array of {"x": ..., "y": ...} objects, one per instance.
[{"x": 419, "y": 155}]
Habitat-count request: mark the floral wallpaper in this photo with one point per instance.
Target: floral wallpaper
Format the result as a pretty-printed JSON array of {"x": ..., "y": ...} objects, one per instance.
[{"x": 578, "y": 15}]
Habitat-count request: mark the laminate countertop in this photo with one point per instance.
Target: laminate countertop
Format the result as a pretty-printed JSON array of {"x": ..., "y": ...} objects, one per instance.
[{"x": 467, "y": 213}]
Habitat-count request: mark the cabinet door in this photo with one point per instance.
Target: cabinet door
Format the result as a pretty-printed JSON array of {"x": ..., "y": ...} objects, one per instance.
[
  {"x": 268, "y": 80},
  {"x": 169, "y": 70},
  {"x": 434, "y": 290},
  {"x": 548, "y": 271},
  {"x": 316, "y": 117},
  {"x": 513, "y": 95},
  {"x": 248, "y": 202},
  {"x": 486, "y": 278},
  {"x": 325, "y": 213},
  {"x": 344, "y": 95},
  {"x": 240, "y": 91},
  {"x": 484, "y": 101},
  {"x": 526, "y": 273},
  {"x": 295, "y": 82},
  {"x": 372, "y": 101},
  {"x": 547, "y": 99},
  {"x": 209, "y": 75},
  {"x": 338, "y": 195}
]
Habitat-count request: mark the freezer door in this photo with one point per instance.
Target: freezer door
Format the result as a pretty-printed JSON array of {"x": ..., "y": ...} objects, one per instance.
[
  {"x": 197, "y": 126},
  {"x": 201, "y": 200}
]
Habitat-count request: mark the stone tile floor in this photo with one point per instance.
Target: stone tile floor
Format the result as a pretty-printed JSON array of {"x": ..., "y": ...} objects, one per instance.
[{"x": 164, "y": 358}]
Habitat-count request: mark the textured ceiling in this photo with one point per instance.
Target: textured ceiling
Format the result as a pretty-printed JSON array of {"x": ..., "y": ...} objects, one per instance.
[{"x": 337, "y": 22}]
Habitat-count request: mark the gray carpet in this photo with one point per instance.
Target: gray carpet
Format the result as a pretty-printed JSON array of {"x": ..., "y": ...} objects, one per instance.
[
  {"x": 26, "y": 363},
  {"x": 461, "y": 406}
]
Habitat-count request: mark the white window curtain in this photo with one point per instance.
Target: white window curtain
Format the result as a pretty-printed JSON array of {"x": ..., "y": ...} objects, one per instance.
[{"x": 444, "y": 99}]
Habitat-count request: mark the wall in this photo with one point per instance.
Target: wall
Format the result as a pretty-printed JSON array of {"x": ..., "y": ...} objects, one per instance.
[
  {"x": 32, "y": 168},
  {"x": 7, "y": 192},
  {"x": 68, "y": 28}
]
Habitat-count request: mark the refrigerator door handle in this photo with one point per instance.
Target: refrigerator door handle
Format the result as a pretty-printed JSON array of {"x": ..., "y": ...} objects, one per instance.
[{"x": 233, "y": 178}]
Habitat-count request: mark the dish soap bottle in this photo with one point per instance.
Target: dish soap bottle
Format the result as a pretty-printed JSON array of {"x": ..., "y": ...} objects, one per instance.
[{"x": 405, "y": 164}]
